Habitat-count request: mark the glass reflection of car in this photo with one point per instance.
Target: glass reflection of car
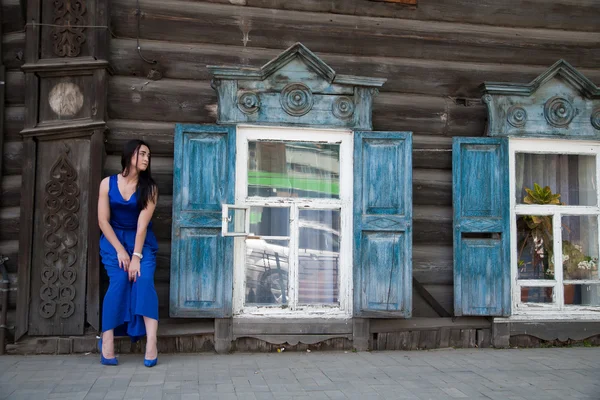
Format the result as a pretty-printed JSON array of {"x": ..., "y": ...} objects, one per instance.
[{"x": 267, "y": 266}]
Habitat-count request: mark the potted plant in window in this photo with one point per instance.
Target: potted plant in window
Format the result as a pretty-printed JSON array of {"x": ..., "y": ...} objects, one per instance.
[{"x": 536, "y": 231}]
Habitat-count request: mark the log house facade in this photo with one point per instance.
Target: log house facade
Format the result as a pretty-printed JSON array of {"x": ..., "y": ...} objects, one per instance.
[{"x": 80, "y": 93}]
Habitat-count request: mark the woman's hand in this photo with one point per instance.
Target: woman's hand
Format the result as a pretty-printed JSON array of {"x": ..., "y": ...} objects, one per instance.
[
  {"x": 134, "y": 269},
  {"x": 124, "y": 259}
]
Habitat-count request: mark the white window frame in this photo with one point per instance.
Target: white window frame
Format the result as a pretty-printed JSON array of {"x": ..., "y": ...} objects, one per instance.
[
  {"x": 346, "y": 140},
  {"x": 226, "y": 219},
  {"x": 555, "y": 310}
]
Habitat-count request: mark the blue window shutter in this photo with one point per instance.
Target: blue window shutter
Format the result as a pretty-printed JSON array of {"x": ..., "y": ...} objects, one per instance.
[
  {"x": 382, "y": 224},
  {"x": 481, "y": 226},
  {"x": 201, "y": 258}
]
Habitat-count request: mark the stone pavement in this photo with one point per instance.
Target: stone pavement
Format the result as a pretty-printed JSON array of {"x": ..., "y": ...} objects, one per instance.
[{"x": 514, "y": 374}]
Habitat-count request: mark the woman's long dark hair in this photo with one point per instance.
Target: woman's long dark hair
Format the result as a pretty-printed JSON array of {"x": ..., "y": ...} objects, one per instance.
[{"x": 146, "y": 187}]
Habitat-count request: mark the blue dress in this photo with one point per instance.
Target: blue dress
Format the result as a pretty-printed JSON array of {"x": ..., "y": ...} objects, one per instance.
[{"x": 126, "y": 303}]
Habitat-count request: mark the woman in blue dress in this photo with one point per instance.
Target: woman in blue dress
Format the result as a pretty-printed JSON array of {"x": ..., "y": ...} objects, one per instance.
[{"x": 128, "y": 250}]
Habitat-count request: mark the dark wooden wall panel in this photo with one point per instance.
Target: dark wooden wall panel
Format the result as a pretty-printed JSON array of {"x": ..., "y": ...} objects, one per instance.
[
  {"x": 179, "y": 60},
  {"x": 555, "y": 14},
  {"x": 183, "y": 21},
  {"x": 434, "y": 56},
  {"x": 12, "y": 18},
  {"x": 13, "y": 45}
]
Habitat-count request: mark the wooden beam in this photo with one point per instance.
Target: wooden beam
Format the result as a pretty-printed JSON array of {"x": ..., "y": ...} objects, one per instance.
[
  {"x": 582, "y": 15},
  {"x": 10, "y": 188},
  {"x": 420, "y": 324},
  {"x": 185, "y": 21},
  {"x": 405, "y": 75},
  {"x": 408, "y": 2},
  {"x": 420, "y": 289}
]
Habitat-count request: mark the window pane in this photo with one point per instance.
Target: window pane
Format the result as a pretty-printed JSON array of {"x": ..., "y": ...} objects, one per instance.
[
  {"x": 293, "y": 169},
  {"x": 532, "y": 294},
  {"x": 580, "y": 247},
  {"x": 318, "y": 256},
  {"x": 236, "y": 220},
  {"x": 583, "y": 295},
  {"x": 267, "y": 272},
  {"x": 270, "y": 221},
  {"x": 534, "y": 247},
  {"x": 573, "y": 177}
]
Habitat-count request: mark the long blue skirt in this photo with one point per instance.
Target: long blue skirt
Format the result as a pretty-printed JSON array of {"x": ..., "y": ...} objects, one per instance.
[{"x": 127, "y": 303}]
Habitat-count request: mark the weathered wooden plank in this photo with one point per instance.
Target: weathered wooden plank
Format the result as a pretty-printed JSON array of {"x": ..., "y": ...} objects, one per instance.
[
  {"x": 12, "y": 17},
  {"x": 434, "y": 261},
  {"x": 13, "y": 50},
  {"x": 422, "y": 291},
  {"x": 432, "y": 152},
  {"x": 15, "y": 87},
  {"x": 132, "y": 98},
  {"x": 427, "y": 115},
  {"x": 9, "y": 221},
  {"x": 456, "y": 338},
  {"x": 469, "y": 338},
  {"x": 484, "y": 338},
  {"x": 14, "y": 121},
  {"x": 164, "y": 100},
  {"x": 183, "y": 21},
  {"x": 398, "y": 325},
  {"x": 10, "y": 191},
  {"x": 581, "y": 15},
  {"x": 270, "y": 326},
  {"x": 158, "y": 135},
  {"x": 432, "y": 224},
  {"x": 12, "y": 158},
  {"x": 429, "y": 340},
  {"x": 420, "y": 76},
  {"x": 432, "y": 187}
]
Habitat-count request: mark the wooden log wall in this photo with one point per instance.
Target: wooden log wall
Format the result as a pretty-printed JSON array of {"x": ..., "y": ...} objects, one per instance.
[
  {"x": 434, "y": 56},
  {"x": 13, "y": 48}
]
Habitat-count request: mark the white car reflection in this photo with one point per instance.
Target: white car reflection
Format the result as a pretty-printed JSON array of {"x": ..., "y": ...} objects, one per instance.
[{"x": 267, "y": 267}]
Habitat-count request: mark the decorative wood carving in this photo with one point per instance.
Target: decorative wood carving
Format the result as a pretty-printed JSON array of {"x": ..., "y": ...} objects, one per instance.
[
  {"x": 517, "y": 116},
  {"x": 248, "y": 103},
  {"x": 69, "y": 36},
  {"x": 323, "y": 98},
  {"x": 61, "y": 222},
  {"x": 561, "y": 102},
  {"x": 559, "y": 112},
  {"x": 296, "y": 99},
  {"x": 343, "y": 107}
]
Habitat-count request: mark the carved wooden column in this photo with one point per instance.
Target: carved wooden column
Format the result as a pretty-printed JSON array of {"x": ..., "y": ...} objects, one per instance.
[{"x": 66, "y": 82}]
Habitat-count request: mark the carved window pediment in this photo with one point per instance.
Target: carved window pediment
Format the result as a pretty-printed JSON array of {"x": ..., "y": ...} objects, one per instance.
[
  {"x": 561, "y": 102},
  {"x": 295, "y": 88}
]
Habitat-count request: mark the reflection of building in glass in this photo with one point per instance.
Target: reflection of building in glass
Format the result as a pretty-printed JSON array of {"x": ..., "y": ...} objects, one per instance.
[{"x": 293, "y": 169}]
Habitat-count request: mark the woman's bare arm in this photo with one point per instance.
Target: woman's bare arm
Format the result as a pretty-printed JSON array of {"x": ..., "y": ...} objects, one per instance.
[
  {"x": 104, "y": 221},
  {"x": 142, "y": 228}
]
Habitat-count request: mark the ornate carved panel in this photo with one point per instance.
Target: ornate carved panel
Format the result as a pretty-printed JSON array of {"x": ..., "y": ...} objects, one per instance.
[
  {"x": 61, "y": 220},
  {"x": 67, "y": 35},
  {"x": 70, "y": 34},
  {"x": 59, "y": 257}
]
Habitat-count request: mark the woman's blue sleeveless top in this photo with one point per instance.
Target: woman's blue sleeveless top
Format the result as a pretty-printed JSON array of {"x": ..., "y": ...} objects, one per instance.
[{"x": 124, "y": 214}]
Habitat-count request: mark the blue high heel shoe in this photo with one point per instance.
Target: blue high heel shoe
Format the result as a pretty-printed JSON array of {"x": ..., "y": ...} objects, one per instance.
[
  {"x": 106, "y": 361},
  {"x": 150, "y": 363}
]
